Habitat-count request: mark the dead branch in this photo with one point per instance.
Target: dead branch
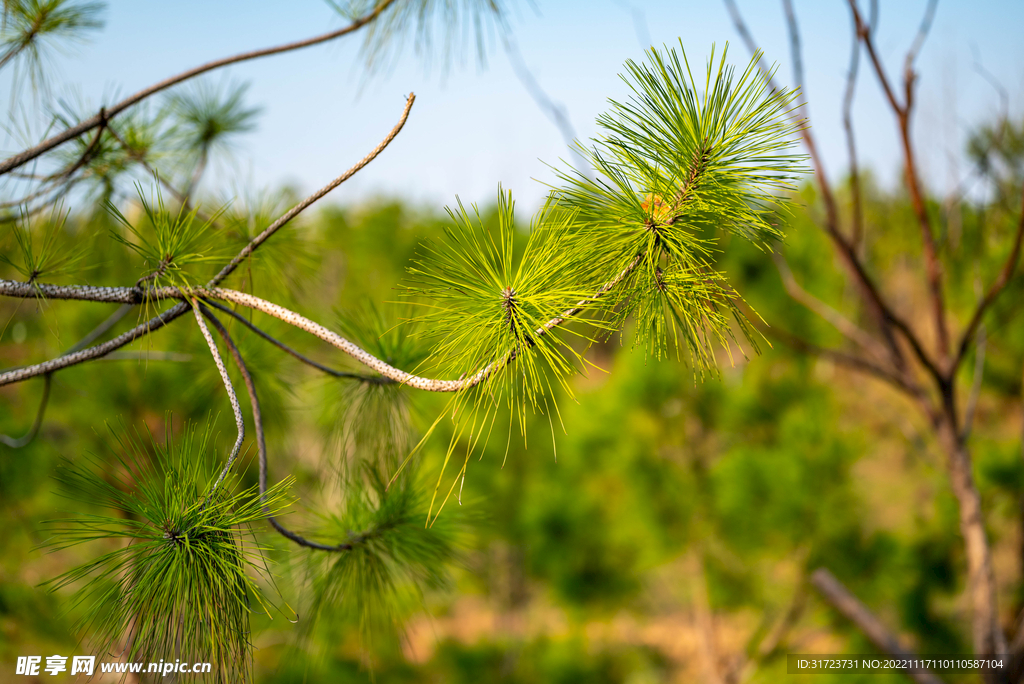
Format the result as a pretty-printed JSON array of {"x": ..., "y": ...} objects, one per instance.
[{"x": 833, "y": 591}]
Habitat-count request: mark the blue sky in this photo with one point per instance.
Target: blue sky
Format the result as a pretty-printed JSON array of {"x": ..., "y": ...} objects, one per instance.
[{"x": 473, "y": 127}]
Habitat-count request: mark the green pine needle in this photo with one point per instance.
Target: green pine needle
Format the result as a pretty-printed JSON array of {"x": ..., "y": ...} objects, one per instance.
[
  {"x": 393, "y": 559},
  {"x": 179, "y": 582},
  {"x": 179, "y": 241},
  {"x": 44, "y": 251},
  {"x": 681, "y": 161}
]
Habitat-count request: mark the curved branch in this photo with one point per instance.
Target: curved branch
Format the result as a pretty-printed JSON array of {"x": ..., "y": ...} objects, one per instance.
[
  {"x": 933, "y": 267},
  {"x": 369, "y": 379},
  {"x": 851, "y": 361},
  {"x": 845, "y": 326},
  {"x": 857, "y": 230},
  {"x": 112, "y": 111},
  {"x": 155, "y": 323},
  {"x": 115, "y": 294},
  {"x": 232, "y": 397},
  {"x": 24, "y": 440},
  {"x": 294, "y": 211},
  {"x": 135, "y": 295},
  {"x": 877, "y": 306},
  {"x": 261, "y": 443}
]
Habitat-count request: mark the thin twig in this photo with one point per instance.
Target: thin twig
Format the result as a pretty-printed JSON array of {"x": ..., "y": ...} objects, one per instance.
[
  {"x": 883, "y": 313},
  {"x": 852, "y": 361},
  {"x": 11, "y": 288},
  {"x": 979, "y": 372},
  {"x": 933, "y": 266},
  {"x": 857, "y": 230},
  {"x": 794, "y": 47},
  {"x": 112, "y": 111},
  {"x": 24, "y": 440},
  {"x": 261, "y": 444},
  {"x": 369, "y": 379},
  {"x": 102, "y": 328},
  {"x": 994, "y": 290},
  {"x": 232, "y": 397},
  {"x": 845, "y": 326},
  {"x": 298, "y": 208}
]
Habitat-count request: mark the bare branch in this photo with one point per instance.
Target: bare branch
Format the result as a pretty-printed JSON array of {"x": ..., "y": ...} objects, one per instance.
[
  {"x": 994, "y": 290},
  {"x": 553, "y": 110},
  {"x": 369, "y": 379},
  {"x": 794, "y": 47},
  {"x": 298, "y": 208},
  {"x": 845, "y": 326},
  {"x": 864, "y": 32},
  {"x": 155, "y": 323},
  {"x": 972, "y": 398},
  {"x": 261, "y": 444},
  {"x": 922, "y": 34},
  {"x": 846, "y": 603},
  {"x": 136, "y": 295},
  {"x": 24, "y": 440},
  {"x": 857, "y": 230},
  {"x": 232, "y": 397},
  {"x": 851, "y": 361},
  {"x": 933, "y": 267},
  {"x": 112, "y": 111},
  {"x": 877, "y": 306}
]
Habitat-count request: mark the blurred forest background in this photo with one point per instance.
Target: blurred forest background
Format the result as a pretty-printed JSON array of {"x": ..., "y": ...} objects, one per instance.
[{"x": 667, "y": 535}]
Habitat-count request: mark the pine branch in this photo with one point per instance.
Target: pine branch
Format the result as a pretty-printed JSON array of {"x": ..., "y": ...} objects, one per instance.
[
  {"x": 136, "y": 296},
  {"x": 298, "y": 208},
  {"x": 369, "y": 379},
  {"x": 353, "y": 540},
  {"x": 232, "y": 397},
  {"x": 114, "y": 110}
]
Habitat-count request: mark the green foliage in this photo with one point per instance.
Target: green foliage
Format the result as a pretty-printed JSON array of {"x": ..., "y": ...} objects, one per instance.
[
  {"x": 370, "y": 415},
  {"x": 30, "y": 28},
  {"x": 680, "y": 161},
  {"x": 487, "y": 305},
  {"x": 453, "y": 20},
  {"x": 391, "y": 557},
  {"x": 179, "y": 241},
  {"x": 127, "y": 148},
  {"x": 208, "y": 116},
  {"x": 182, "y": 583},
  {"x": 45, "y": 251}
]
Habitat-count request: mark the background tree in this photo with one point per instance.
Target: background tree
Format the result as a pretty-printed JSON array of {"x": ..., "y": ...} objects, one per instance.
[{"x": 928, "y": 368}]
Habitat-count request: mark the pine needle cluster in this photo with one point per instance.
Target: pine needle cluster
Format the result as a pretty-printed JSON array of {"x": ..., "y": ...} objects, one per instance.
[
  {"x": 392, "y": 559},
  {"x": 179, "y": 240},
  {"x": 179, "y": 583},
  {"x": 680, "y": 163}
]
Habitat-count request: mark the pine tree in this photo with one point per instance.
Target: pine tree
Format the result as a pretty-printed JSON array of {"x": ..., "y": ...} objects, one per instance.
[{"x": 625, "y": 247}]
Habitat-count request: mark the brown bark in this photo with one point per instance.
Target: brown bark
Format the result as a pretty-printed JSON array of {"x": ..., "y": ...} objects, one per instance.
[{"x": 987, "y": 635}]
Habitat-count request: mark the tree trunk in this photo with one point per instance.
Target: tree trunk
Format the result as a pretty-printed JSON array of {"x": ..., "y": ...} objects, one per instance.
[{"x": 987, "y": 635}]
